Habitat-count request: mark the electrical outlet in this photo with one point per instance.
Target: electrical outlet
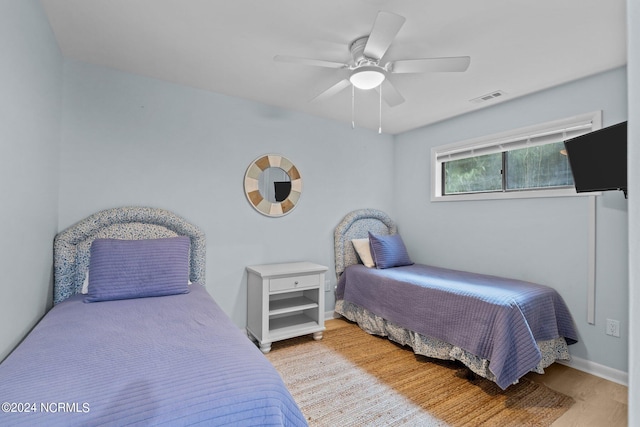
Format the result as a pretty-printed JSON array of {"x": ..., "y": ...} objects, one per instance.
[
  {"x": 327, "y": 285},
  {"x": 613, "y": 328}
]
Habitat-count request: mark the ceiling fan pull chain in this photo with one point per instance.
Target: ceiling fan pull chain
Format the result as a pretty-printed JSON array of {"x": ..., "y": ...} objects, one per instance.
[
  {"x": 380, "y": 113},
  {"x": 353, "y": 107}
]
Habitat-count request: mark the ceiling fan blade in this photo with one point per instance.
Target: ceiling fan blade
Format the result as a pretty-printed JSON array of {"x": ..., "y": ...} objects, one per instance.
[
  {"x": 309, "y": 61},
  {"x": 332, "y": 90},
  {"x": 390, "y": 94},
  {"x": 384, "y": 30},
  {"x": 456, "y": 63}
]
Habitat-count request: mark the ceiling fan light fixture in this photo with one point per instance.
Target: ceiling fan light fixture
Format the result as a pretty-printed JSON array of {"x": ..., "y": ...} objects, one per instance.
[{"x": 367, "y": 77}]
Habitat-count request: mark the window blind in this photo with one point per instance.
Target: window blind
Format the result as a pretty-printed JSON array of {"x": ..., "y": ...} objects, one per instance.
[{"x": 514, "y": 142}]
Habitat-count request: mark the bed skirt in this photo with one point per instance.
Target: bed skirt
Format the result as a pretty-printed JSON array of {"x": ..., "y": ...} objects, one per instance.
[{"x": 552, "y": 350}]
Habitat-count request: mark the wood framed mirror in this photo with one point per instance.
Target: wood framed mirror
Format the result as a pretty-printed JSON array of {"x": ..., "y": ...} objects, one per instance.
[{"x": 273, "y": 185}]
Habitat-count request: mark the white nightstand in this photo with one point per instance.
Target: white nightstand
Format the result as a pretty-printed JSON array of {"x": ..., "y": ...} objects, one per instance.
[{"x": 285, "y": 301}]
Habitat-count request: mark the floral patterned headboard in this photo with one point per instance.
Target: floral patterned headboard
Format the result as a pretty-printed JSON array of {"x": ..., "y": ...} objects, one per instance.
[
  {"x": 356, "y": 225},
  {"x": 71, "y": 248}
]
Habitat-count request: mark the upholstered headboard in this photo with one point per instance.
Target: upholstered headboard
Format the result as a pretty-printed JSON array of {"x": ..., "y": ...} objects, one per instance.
[
  {"x": 71, "y": 249},
  {"x": 356, "y": 225}
]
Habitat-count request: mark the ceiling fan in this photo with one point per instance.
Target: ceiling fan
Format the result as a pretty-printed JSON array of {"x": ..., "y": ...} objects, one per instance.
[{"x": 368, "y": 71}]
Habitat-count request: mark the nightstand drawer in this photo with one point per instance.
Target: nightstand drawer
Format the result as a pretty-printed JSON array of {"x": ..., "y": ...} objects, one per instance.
[{"x": 294, "y": 282}]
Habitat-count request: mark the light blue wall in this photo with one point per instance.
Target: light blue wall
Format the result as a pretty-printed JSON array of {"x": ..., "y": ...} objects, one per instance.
[
  {"x": 539, "y": 240},
  {"x": 30, "y": 84},
  {"x": 131, "y": 140}
]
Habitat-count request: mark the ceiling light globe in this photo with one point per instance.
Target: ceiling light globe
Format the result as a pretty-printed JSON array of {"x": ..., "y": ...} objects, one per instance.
[{"x": 367, "y": 77}]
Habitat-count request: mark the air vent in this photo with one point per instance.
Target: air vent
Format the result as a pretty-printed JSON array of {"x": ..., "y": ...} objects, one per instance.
[{"x": 487, "y": 97}]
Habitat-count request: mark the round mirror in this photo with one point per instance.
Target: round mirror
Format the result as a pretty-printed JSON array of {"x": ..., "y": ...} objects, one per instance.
[{"x": 273, "y": 185}]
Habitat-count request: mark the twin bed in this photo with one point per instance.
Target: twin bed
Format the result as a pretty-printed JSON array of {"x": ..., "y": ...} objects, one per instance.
[
  {"x": 501, "y": 329},
  {"x": 146, "y": 344}
]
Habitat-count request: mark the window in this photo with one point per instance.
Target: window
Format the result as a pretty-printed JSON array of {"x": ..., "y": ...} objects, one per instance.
[
  {"x": 541, "y": 166},
  {"x": 528, "y": 162},
  {"x": 473, "y": 174}
]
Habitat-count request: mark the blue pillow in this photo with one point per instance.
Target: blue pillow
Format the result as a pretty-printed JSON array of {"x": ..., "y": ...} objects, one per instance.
[
  {"x": 124, "y": 269},
  {"x": 388, "y": 251}
]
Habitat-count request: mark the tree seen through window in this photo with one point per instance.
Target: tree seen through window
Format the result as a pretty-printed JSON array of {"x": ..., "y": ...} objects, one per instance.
[{"x": 542, "y": 166}]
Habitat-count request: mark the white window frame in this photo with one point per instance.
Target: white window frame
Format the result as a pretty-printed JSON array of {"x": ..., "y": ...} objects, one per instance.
[{"x": 505, "y": 141}]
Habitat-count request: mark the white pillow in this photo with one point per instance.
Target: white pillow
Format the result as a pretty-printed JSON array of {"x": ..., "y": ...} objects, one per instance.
[
  {"x": 364, "y": 251},
  {"x": 85, "y": 284}
]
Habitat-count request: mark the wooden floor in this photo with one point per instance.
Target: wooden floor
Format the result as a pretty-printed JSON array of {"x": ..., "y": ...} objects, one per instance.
[{"x": 599, "y": 402}]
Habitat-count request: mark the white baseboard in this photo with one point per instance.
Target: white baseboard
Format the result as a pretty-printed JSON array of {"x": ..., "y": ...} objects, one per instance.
[
  {"x": 598, "y": 370},
  {"x": 328, "y": 315}
]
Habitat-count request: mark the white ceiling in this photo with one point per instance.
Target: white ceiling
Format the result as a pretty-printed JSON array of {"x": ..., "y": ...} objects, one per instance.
[{"x": 227, "y": 46}]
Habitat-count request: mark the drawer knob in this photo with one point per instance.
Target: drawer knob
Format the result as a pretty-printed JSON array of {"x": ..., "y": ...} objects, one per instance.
[{"x": 295, "y": 283}]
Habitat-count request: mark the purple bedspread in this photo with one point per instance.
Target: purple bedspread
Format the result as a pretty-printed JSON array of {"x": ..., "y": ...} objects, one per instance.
[
  {"x": 172, "y": 360},
  {"x": 491, "y": 317}
]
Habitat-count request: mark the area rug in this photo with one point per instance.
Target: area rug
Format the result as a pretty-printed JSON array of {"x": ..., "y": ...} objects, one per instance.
[{"x": 351, "y": 378}]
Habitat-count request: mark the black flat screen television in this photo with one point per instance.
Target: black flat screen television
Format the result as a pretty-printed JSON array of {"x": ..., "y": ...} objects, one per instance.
[{"x": 599, "y": 159}]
